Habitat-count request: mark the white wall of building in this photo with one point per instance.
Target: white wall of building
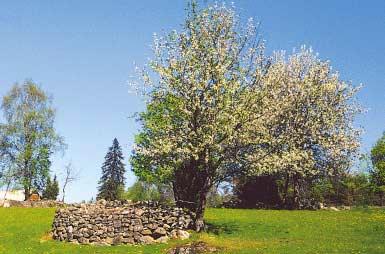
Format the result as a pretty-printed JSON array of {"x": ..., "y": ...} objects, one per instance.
[{"x": 17, "y": 195}]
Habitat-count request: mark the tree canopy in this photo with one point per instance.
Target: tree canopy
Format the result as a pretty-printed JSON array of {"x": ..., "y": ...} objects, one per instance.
[
  {"x": 218, "y": 106},
  {"x": 378, "y": 171},
  {"x": 28, "y": 136}
]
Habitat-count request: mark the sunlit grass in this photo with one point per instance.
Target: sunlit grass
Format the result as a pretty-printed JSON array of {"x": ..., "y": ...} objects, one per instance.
[{"x": 25, "y": 230}]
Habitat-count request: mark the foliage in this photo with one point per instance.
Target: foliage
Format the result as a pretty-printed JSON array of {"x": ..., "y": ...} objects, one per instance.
[
  {"x": 42, "y": 166},
  {"x": 219, "y": 107},
  {"x": 28, "y": 136},
  {"x": 141, "y": 191},
  {"x": 378, "y": 171},
  {"x": 111, "y": 183},
  {"x": 204, "y": 109},
  {"x": 232, "y": 230},
  {"x": 51, "y": 191},
  {"x": 310, "y": 114},
  {"x": 218, "y": 196}
]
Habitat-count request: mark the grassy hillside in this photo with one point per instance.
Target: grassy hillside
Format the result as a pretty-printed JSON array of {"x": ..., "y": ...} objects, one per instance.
[{"x": 24, "y": 230}]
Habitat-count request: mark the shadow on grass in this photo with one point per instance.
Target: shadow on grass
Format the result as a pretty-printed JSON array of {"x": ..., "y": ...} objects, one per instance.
[{"x": 222, "y": 228}]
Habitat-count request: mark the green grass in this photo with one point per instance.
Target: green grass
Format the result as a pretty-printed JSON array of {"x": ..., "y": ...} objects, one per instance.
[{"x": 24, "y": 230}]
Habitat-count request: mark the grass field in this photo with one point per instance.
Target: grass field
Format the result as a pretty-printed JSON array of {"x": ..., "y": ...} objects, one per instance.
[{"x": 24, "y": 230}]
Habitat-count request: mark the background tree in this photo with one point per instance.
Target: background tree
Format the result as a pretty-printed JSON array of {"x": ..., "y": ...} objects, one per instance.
[
  {"x": 111, "y": 184},
  {"x": 42, "y": 166},
  {"x": 309, "y": 114},
  {"x": 70, "y": 176},
  {"x": 51, "y": 191},
  {"x": 378, "y": 171},
  {"x": 28, "y": 136}
]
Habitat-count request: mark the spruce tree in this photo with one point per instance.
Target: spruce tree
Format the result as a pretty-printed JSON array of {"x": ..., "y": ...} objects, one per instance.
[
  {"x": 112, "y": 180},
  {"x": 52, "y": 189},
  {"x": 55, "y": 188}
]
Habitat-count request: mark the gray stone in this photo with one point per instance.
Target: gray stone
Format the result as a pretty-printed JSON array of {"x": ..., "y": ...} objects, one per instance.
[
  {"x": 138, "y": 228},
  {"x": 160, "y": 232},
  {"x": 146, "y": 232},
  {"x": 162, "y": 239},
  {"x": 183, "y": 234},
  {"x": 146, "y": 239},
  {"x": 117, "y": 240}
]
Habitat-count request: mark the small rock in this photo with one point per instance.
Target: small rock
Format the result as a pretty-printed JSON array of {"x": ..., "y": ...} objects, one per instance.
[
  {"x": 139, "y": 212},
  {"x": 117, "y": 240},
  {"x": 138, "y": 228},
  {"x": 174, "y": 234},
  {"x": 128, "y": 240},
  {"x": 183, "y": 235},
  {"x": 162, "y": 239},
  {"x": 160, "y": 232},
  {"x": 146, "y": 232},
  {"x": 146, "y": 239},
  {"x": 109, "y": 240}
]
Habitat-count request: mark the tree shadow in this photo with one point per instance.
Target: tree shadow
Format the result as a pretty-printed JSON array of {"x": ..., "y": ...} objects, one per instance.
[{"x": 222, "y": 228}]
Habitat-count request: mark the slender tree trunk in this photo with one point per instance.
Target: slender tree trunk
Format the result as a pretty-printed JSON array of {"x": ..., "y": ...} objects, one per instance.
[
  {"x": 27, "y": 175},
  {"x": 27, "y": 192},
  {"x": 296, "y": 201},
  {"x": 286, "y": 189},
  {"x": 6, "y": 192},
  {"x": 7, "y": 189},
  {"x": 64, "y": 191}
]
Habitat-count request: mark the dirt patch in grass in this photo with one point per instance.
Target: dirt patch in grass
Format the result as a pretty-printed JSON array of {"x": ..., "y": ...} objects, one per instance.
[
  {"x": 193, "y": 248},
  {"x": 46, "y": 237}
]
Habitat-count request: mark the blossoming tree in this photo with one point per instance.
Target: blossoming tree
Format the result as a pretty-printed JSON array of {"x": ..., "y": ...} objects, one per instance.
[{"x": 218, "y": 107}]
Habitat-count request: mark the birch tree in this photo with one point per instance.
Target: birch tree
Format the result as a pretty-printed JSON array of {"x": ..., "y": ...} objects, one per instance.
[{"x": 28, "y": 136}]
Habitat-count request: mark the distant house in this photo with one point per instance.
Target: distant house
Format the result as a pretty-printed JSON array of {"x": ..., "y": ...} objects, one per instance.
[{"x": 16, "y": 195}]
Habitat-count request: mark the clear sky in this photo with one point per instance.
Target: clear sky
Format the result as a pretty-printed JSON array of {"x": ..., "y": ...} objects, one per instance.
[{"x": 83, "y": 52}]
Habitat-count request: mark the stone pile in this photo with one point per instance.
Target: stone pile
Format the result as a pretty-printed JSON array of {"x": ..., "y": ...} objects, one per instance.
[
  {"x": 113, "y": 223},
  {"x": 40, "y": 203}
]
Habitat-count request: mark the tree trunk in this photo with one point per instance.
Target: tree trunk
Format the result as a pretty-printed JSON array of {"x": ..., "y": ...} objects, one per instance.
[
  {"x": 27, "y": 192},
  {"x": 286, "y": 189},
  {"x": 296, "y": 201},
  {"x": 191, "y": 187},
  {"x": 62, "y": 200},
  {"x": 199, "y": 212}
]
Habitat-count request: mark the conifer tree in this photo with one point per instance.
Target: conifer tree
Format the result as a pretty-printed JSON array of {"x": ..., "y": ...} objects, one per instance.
[
  {"x": 112, "y": 180},
  {"x": 51, "y": 191}
]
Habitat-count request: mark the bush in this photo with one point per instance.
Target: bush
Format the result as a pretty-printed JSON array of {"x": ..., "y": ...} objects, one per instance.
[{"x": 142, "y": 191}]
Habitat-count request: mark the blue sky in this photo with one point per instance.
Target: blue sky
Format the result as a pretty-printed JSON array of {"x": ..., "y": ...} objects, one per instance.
[{"x": 83, "y": 52}]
